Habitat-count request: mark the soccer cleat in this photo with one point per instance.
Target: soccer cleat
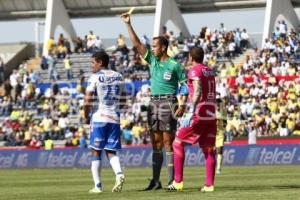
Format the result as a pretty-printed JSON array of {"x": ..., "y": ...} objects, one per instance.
[
  {"x": 218, "y": 171},
  {"x": 170, "y": 183},
  {"x": 95, "y": 190},
  {"x": 207, "y": 189},
  {"x": 153, "y": 185},
  {"x": 119, "y": 183},
  {"x": 176, "y": 186}
]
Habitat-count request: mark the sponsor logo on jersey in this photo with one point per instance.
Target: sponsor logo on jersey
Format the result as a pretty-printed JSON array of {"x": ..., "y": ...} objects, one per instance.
[
  {"x": 110, "y": 79},
  {"x": 209, "y": 113},
  {"x": 208, "y": 73}
]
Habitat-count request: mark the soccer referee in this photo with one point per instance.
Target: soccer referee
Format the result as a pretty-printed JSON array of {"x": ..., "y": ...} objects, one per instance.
[{"x": 166, "y": 74}]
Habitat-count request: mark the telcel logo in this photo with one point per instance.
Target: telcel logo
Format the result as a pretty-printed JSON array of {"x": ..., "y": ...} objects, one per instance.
[
  {"x": 6, "y": 161},
  {"x": 132, "y": 159},
  {"x": 61, "y": 160},
  {"x": 276, "y": 156}
]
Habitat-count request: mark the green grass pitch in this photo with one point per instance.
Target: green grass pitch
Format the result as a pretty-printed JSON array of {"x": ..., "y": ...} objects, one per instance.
[{"x": 267, "y": 182}]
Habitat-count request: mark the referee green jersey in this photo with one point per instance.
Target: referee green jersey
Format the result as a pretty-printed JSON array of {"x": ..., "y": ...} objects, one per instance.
[{"x": 165, "y": 76}]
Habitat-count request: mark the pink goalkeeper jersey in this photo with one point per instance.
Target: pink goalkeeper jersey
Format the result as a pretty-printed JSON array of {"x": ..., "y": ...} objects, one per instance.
[{"x": 207, "y": 102}]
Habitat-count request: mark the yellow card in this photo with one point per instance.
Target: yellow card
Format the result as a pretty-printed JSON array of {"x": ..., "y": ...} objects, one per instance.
[{"x": 131, "y": 10}]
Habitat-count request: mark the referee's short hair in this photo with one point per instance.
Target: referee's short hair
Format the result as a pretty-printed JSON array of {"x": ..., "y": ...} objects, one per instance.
[
  {"x": 197, "y": 54},
  {"x": 101, "y": 56},
  {"x": 163, "y": 41}
]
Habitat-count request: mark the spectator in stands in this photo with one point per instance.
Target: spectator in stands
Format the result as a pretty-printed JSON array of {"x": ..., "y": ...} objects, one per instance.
[
  {"x": 231, "y": 49},
  {"x": 44, "y": 63},
  {"x": 63, "y": 124},
  {"x": 46, "y": 124},
  {"x": 79, "y": 47},
  {"x": 68, "y": 67},
  {"x": 283, "y": 130},
  {"x": 33, "y": 77},
  {"x": 222, "y": 28},
  {"x": 18, "y": 91},
  {"x": 173, "y": 50},
  {"x": 276, "y": 33},
  {"x": 244, "y": 39},
  {"x": 172, "y": 38},
  {"x": 202, "y": 34},
  {"x": 64, "y": 107},
  {"x": 282, "y": 29},
  {"x": 127, "y": 134},
  {"x": 291, "y": 124},
  {"x": 98, "y": 44},
  {"x": 252, "y": 133},
  {"x": 180, "y": 38},
  {"x": 146, "y": 138},
  {"x": 2, "y": 133},
  {"x": 8, "y": 88},
  {"x": 67, "y": 45},
  {"x": 61, "y": 40},
  {"x": 185, "y": 50},
  {"x": 82, "y": 141},
  {"x": 28, "y": 134},
  {"x": 2, "y": 106},
  {"x": 146, "y": 41},
  {"x": 52, "y": 73},
  {"x": 7, "y": 105},
  {"x": 29, "y": 89},
  {"x": 80, "y": 134},
  {"x": 91, "y": 35},
  {"x": 137, "y": 132},
  {"x": 61, "y": 51},
  {"x": 13, "y": 78},
  {"x": 80, "y": 89},
  {"x": 237, "y": 37},
  {"x": 165, "y": 33},
  {"x": 121, "y": 45},
  {"x": 1, "y": 71},
  {"x": 50, "y": 44},
  {"x": 90, "y": 45},
  {"x": 54, "y": 88},
  {"x": 49, "y": 144},
  {"x": 35, "y": 143},
  {"x": 85, "y": 43}
]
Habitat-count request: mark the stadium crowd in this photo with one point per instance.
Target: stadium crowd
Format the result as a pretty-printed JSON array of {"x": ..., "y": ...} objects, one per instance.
[{"x": 262, "y": 94}]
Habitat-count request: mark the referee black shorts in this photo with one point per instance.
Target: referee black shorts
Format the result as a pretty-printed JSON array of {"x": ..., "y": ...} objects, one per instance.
[{"x": 161, "y": 113}]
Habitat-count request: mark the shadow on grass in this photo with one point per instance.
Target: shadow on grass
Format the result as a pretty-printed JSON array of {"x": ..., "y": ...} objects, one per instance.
[
  {"x": 258, "y": 187},
  {"x": 232, "y": 188},
  {"x": 228, "y": 188},
  {"x": 287, "y": 187}
]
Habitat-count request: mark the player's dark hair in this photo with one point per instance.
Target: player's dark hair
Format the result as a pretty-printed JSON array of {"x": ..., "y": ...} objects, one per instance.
[
  {"x": 197, "y": 54},
  {"x": 101, "y": 56},
  {"x": 162, "y": 41}
]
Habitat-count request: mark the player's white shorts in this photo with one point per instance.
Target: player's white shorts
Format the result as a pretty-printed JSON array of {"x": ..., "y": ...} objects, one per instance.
[{"x": 105, "y": 136}]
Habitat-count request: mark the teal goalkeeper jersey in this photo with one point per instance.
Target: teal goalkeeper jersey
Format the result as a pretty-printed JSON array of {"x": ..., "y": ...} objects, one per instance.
[{"x": 165, "y": 76}]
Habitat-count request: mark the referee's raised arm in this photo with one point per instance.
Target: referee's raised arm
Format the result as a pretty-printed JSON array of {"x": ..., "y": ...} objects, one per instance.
[{"x": 133, "y": 37}]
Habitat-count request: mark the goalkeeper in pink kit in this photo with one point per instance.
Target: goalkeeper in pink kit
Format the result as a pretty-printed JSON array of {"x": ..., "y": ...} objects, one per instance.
[{"x": 198, "y": 125}]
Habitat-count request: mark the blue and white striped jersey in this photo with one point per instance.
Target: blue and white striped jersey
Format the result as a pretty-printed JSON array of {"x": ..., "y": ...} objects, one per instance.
[{"x": 106, "y": 85}]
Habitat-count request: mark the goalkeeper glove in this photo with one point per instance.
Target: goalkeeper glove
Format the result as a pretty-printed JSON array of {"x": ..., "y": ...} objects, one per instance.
[{"x": 187, "y": 118}]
